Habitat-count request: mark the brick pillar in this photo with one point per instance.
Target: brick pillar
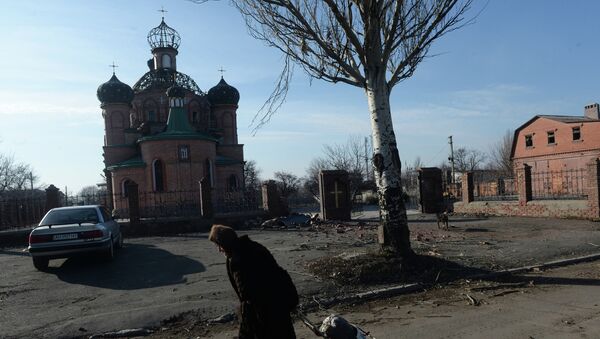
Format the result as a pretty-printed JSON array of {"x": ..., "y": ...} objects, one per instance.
[
  {"x": 272, "y": 202},
  {"x": 206, "y": 206},
  {"x": 52, "y": 197},
  {"x": 467, "y": 187},
  {"x": 109, "y": 190},
  {"x": 593, "y": 188},
  {"x": 524, "y": 184},
  {"x": 134, "y": 203}
]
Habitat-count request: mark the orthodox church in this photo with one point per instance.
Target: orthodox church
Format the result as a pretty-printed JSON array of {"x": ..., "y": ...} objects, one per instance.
[{"x": 165, "y": 134}]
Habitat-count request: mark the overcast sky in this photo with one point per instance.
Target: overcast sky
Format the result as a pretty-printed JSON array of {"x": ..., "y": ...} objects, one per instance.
[{"x": 520, "y": 58}]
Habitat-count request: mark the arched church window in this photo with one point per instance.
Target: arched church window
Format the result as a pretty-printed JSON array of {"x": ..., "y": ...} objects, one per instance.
[
  {"x": 232, "y": 183},
  {"x": 166, "y": 61},
  {"x": 208, "y": 169},
  {"x": 151, "y": 115},
  {"x": 125, "y": 187},
  {"x": 195, "y": 117},
  {"x": 158, "y": 177}
]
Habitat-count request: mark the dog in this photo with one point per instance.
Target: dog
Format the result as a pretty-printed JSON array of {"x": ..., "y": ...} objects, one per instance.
[{"x": 442, "y": 220}]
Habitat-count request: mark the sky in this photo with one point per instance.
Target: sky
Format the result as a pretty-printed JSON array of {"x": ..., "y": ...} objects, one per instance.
[{"x": 518, "y": 59}]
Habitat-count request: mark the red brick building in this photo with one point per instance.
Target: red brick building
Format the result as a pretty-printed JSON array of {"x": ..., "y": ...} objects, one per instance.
[
  {"x": 556, "y": 143},
  {"x": 166, "y": 142}
]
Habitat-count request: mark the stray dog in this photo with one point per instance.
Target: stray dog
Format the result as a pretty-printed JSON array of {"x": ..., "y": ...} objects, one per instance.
[{"x": 442, "y": 220}]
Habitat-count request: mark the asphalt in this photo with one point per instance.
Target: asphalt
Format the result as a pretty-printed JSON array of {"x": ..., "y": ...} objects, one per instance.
[{"x": 493, "y": 245}]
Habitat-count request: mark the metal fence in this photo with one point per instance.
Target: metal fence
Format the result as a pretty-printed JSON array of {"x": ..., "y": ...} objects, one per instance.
[
  {"x": 237, "y": 202},
  {"x": 494, "y": 186},
  {"x": 21, "y": 212},
  {"x": 565, "y": 184}
]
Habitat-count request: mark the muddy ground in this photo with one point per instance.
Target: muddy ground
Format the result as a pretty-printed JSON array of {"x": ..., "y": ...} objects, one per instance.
[{"x": 471, "y": 245}]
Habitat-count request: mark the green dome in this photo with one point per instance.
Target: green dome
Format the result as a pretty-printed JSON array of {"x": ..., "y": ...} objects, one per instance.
[
  {"x": 114, "y": 91},
  {"x": 223, "y": 94}
]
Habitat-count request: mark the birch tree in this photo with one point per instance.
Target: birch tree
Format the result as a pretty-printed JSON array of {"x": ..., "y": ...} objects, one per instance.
[{"x": 371, "y": 44}]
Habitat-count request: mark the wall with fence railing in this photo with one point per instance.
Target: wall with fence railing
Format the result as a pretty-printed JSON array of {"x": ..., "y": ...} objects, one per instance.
[{"x": 564, "y": 193}]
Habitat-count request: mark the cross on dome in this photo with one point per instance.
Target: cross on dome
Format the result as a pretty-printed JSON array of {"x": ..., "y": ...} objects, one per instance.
[{"x": 113, "y": 66}]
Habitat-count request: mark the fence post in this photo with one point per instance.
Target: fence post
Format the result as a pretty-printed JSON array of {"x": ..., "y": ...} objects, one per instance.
[
  {"x": 206, "y": 206},
  {"x": 593, "y": 188},
  {"x": 467, "y": 187},
  {"x": 524, "y": 184},
  {"x": 52, "y": 198},
  {"x": 272, "y": 202}
]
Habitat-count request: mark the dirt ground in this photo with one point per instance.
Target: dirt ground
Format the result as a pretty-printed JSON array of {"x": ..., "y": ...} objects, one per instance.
[{"x": 470, "y": 245}]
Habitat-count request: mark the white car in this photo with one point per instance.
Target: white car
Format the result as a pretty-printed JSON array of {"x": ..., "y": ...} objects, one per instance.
[{"x": 68, "y": 231}]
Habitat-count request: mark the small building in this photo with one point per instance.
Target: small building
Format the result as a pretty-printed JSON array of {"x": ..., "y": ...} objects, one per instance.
[
  {"x": 550, "y": 143},
  {"x": 165, "y": 135}
]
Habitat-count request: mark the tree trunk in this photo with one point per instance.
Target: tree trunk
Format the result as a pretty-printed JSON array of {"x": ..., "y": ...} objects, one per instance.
[{"x": 393, "y": 231}]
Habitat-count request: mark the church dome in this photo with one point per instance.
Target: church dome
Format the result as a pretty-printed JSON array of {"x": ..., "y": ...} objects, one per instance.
[
  {"x": 223, "y": 94},
  {"x": 114, "y": 91},
  {"x": 163, "y": 36},
  {"x": 176, "y": 91}
]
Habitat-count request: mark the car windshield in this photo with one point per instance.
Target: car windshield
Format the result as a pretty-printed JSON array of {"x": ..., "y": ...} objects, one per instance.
[{"x": 70, "y": 216}]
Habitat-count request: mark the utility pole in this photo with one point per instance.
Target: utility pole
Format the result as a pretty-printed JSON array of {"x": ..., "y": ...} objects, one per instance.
[{"x": 451, "y": 158}]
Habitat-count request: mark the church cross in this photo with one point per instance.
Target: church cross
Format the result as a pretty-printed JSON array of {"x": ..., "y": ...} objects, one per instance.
[
  {"x": 337, "y": 193},
  {"x": 113, "y": 66},
  {"x": 221, "y": 70},
  {"x": 163, "y": 11}
]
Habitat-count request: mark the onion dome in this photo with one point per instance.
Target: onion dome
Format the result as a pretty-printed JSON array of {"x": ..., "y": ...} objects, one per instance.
[
  {"x": 163, "y": 36},
  {"x": 114, "y": 91},
  {"x": 176, "y": 91},
  {"x": 223, "y": 94}
]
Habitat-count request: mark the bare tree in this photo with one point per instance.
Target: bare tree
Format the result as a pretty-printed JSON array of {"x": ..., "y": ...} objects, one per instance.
[
  {"x": 287, "y": 183},
  {"x": 349, "y": 157},
  {"x": 371, "y": 44},
  {"x": 15, "y": 176},
  {"x": 251, "y": 176},
  {"x": 500, "y": 154},
  {"x": 466, "y": 159}
]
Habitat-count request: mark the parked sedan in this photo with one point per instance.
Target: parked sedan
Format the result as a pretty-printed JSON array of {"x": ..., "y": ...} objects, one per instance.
[{"x": 68, "y": 231}]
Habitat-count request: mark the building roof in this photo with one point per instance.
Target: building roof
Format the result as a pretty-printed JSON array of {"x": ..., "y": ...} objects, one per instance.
[
  {"x": 129, "y": 163},
  {"x": 223, "y": 94},
  {"x": 163, "y": 36},
  {"x": 114, "y": 91},
  {"x": 164, "y": 78},
  {"x": 566, "y": 118},
  {"x": 178, "y": 127},
  {"x": 222, "y": 160}
]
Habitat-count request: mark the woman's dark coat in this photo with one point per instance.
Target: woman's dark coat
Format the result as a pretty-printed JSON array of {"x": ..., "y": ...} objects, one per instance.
[{"x": 265, "y": 290}]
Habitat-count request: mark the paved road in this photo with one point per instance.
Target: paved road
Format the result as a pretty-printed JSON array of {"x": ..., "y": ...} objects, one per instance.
[{"x": 155, "y": 278}]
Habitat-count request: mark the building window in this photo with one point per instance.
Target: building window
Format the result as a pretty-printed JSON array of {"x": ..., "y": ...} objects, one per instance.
[
  {"x": 551, "y": 139},
  {"x": 126, "y": 185},
  {"x": 529, "y": 140},
  {"x": 576, "y": 133},
  {"x": 184, "y": 153},
  {"x": 158, "y": 177},
  {"x": 166, "y": 61},
  {"x": 195, "y": 117},
  {"x": 232, "y": 183},
  {"x": 151, "y": 116},
  {"x": 209, "y": 172}
]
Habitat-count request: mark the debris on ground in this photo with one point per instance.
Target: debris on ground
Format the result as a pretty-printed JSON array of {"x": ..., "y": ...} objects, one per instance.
[{"x": 225, "y": 318}]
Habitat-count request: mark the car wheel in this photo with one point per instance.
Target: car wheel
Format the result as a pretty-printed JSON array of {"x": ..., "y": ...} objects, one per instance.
[
  {"x": 110, "y": 252},
  {"x": 120, "y": 242},
  {"x": 40, "y": 263}
]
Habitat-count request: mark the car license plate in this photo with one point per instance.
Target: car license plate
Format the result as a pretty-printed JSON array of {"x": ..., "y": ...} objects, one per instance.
[{"x": 67, "y": 236}]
